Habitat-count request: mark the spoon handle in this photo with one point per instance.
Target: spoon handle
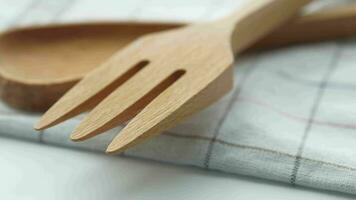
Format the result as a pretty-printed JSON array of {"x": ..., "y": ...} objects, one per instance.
[
  {"x": 330, "y": 23},
  {"x": 257, "y": 19}
]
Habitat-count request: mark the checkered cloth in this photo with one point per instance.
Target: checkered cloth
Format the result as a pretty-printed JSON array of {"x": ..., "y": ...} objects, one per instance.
[{"x": 291, "y": 116}]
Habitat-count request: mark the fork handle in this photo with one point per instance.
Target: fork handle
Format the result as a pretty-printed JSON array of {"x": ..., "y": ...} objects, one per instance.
[{"x": 257, "y": 19}]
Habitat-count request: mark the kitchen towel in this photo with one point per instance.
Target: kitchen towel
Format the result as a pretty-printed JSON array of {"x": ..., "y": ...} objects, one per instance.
[{"x": 291, "y": 116}]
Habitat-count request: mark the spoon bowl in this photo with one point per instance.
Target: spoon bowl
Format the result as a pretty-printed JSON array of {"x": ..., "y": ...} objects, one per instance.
[{"x": 39, "y": 64}]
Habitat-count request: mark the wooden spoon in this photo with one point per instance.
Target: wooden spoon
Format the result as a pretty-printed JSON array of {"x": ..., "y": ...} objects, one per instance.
[{"x": 39, "y": 64}]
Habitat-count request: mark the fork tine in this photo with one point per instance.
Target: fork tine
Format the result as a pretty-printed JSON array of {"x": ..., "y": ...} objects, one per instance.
[
  {"x": 82, "y": 97},
  {"x": 177, "y": 102},
  {"x": 123, "y": 103},
  {"x": 148, "y": 122}
]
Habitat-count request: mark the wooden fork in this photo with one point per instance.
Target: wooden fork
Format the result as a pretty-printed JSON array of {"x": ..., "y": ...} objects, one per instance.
[{"x": 161, "y": 78}]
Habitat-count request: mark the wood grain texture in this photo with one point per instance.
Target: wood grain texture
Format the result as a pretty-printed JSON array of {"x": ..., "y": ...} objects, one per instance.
[
  {"x": 331, "y": 23},
  {"x": 185, "y": 69},
  {"x": 39, "y": 64}
]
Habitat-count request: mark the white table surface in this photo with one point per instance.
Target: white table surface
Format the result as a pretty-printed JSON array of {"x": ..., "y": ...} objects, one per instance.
[{"x": 35, "y": 171}]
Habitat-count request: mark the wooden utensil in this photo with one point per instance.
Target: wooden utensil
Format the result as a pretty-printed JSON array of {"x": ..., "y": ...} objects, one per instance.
[
  {"x": 164, "y": 77},
  {"x": 329, "y": 23},
  {"x": 39, "y": 64}
]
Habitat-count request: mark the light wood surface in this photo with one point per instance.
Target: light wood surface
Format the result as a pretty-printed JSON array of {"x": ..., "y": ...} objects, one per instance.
[
  {"x": 161, "y": 78},
  {"x": 39, "y": 64},
  {"x": 330, "y": 23}
]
